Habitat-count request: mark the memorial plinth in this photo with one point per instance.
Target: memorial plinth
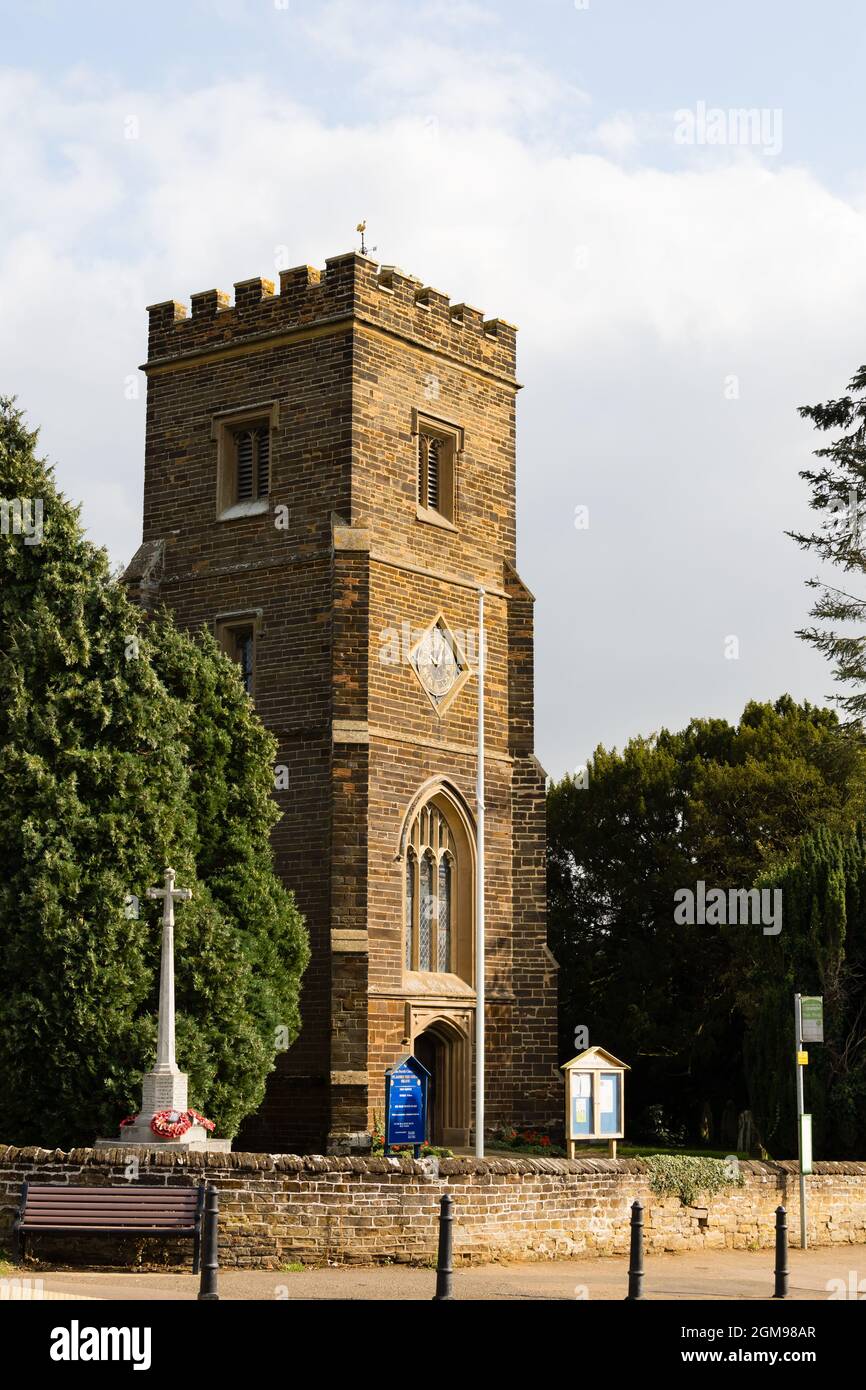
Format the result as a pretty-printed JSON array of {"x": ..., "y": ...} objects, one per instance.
[{"x": 164, "y": 1087}]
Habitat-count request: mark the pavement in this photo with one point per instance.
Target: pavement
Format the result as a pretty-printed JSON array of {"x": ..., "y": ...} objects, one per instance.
[{"x": 715, "y": 1275}]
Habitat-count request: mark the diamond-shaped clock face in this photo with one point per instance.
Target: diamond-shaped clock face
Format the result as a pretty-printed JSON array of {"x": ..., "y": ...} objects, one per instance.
[{"x": 439, "y": 663}]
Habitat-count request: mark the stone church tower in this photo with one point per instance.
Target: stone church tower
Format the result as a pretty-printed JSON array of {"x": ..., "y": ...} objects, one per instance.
[{"x": 329, "y": 478}]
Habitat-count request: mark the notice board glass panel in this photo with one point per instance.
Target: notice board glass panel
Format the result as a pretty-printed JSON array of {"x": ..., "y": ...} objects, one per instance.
[
  {"x": 581, "y": 1105},
  {"x": 608, "y": 1102}
]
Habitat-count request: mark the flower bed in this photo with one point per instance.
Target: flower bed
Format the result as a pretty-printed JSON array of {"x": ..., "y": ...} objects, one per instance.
[
  {"x": 528, "y": 1141},
  {"x": 425, "y": 1150}
]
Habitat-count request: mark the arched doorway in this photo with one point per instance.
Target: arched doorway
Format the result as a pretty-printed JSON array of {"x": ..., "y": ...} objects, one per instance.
[
  {"x": 428, "y": 1050},
  {"x": 443, "y": 1048}
]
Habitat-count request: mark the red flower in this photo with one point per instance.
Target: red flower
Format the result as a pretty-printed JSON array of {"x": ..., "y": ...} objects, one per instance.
[{"x": 173, "y": 1124}]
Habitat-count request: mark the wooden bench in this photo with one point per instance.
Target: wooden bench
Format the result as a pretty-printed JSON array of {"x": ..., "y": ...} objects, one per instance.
[{"x": 168, "y": 1212}]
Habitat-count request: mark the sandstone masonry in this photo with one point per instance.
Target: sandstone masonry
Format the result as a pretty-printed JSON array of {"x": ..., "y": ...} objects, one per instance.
[
  {"x": 342, "y": 365},
  {"x": 275, "y": 1209}
]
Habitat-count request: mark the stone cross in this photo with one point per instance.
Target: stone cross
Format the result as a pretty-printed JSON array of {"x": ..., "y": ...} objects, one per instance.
[{"x": 165, "y": 1086}]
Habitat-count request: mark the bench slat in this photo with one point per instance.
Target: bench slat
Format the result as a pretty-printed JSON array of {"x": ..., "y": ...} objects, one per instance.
[
  {"x": 120, "y": 1199},
  {"x": 165, "y": 1194},
  {"x": 107, "y": 1214},
  {"x": 107, "y": 1200},
  {"x": 99, "y": 1218},
  {"x": 170, "y": 1218},
  {"x": 110, "y": 1206},
  {"x": 84, "y": 1227}
]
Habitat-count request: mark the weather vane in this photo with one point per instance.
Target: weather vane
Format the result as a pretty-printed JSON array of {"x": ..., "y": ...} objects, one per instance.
[{"x": 362, "y": 227}]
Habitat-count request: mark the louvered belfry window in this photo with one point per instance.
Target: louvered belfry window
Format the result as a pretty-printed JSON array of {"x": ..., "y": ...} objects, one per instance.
[
  {"x": 429, "y": 449},
  {"x": 429, "y": 894},
  {"x": 253, "y": 462}
]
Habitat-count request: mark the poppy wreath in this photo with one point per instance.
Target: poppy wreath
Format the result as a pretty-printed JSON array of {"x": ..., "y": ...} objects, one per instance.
[{"x": 173, "y": 1124}]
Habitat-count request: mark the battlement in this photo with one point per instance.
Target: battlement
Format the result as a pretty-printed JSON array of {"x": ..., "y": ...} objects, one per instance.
[{"x": 350, "y": 288}]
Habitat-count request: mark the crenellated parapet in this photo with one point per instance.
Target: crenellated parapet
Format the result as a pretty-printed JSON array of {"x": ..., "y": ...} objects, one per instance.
[{"x": 351, "y": 288}]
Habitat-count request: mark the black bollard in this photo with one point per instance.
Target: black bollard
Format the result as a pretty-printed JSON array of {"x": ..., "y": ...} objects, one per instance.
[
  {"x": 781, "y": 1253},
  {"x": 635, "y": 1263},
  {"x": 210, "y": 1264},
  {"x": 445, "y": 1263}
]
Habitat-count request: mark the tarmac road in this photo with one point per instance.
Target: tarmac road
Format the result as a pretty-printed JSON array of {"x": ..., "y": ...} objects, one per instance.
[{"x": 714, "y": 1275}]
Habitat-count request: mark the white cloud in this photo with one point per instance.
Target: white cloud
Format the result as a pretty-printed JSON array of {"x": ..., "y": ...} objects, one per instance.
[{"x": 638, "y": 292}]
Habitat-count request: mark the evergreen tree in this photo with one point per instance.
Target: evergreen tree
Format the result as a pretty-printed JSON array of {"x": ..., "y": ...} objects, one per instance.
[
  {"x": 126, "y": 745},
  {"x": 838, "y": 487},
  {"x": 716, "y": 802},
  {"x": 821, "y": 950}
]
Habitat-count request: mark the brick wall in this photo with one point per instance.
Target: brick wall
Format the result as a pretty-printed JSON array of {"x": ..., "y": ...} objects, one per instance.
[{"x": 279, "y": 1208}]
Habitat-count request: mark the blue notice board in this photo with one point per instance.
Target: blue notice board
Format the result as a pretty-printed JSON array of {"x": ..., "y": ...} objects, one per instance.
[{"x": 406, "y": 1102}]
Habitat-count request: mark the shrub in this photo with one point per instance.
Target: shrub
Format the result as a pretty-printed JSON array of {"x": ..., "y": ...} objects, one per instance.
[{"x": 686, "y": 1177}]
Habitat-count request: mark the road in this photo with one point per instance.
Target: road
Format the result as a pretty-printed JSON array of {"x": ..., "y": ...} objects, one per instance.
[{"x": 713, "y": 1275}]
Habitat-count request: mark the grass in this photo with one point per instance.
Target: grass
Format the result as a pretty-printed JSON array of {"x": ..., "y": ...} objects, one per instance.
[
  {"x": 646, "y": 1150},
  {"x": 622, "y": 1150},
  {"x": 292, "y": 1267}
]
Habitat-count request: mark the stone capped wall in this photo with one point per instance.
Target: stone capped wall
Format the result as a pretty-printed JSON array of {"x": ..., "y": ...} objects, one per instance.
[{"x": 280, "y": 1208}]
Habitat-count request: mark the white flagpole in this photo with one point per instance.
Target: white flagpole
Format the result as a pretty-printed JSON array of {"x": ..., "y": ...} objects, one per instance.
[{"x": 479, "y": 898}]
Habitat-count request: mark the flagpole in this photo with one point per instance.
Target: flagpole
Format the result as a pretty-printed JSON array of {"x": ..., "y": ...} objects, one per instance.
[{"x": 479, "y": 897}]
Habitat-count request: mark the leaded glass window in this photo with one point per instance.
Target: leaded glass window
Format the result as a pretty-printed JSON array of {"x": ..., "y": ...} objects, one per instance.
[
  {"x": 444, "y": 934},
  {"x": 425, "y": 915},
  {"x": 410, "y": 908},
  {"x": 429, "y": 894}
]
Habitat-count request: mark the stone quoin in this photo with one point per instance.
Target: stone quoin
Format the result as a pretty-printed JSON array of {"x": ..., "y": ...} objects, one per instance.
[{"x": 326, "y": 466}]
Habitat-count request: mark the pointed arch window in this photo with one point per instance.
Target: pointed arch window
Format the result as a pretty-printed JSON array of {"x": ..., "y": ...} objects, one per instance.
[
  {"x": 443, "y": 944},
  {"x": 426, "y": 914},
  {"x": 432, "y": 902},
  {"x": 411, "y": 870}
]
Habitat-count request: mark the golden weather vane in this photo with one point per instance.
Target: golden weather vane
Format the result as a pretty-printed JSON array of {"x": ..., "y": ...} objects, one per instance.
[{"x": 365, "y": 249}]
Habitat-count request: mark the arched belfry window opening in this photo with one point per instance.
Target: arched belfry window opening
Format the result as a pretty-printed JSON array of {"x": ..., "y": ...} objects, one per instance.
[
  {"x": 438, "y": 449},
  {"x": 437, "y": 894}
]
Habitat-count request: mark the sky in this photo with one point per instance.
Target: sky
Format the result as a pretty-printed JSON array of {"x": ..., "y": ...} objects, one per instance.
[{"x": 684, "y": 276}]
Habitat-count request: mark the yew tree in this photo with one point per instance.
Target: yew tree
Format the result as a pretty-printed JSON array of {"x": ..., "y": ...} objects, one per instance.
[
  {"x": 837, "y": 485},
  {"x": 125, "y": 745}
]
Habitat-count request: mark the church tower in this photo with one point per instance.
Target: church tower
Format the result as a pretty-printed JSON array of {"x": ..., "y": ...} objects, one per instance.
[{"x": 329, "y": 480}]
